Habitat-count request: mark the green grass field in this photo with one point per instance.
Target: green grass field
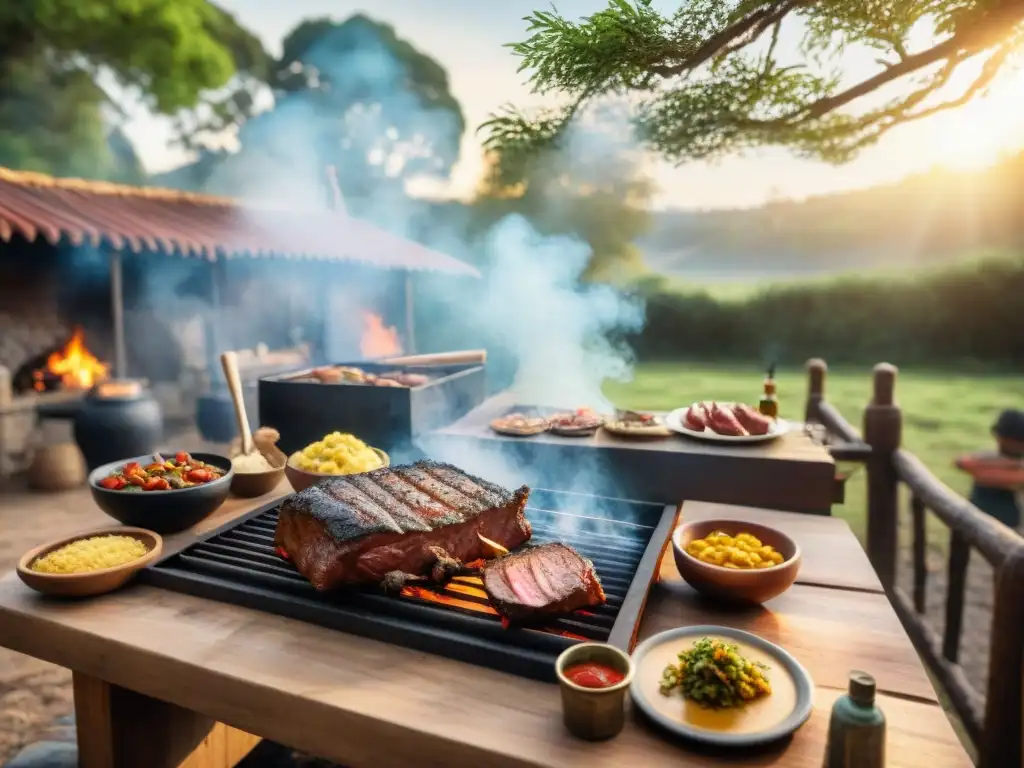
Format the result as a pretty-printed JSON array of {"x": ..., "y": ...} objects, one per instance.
[{"x": 944, "y": 415}]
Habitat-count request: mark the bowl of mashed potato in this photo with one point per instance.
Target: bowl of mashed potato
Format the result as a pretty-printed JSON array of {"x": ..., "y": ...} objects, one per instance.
[{"x": 334, "y": 455}]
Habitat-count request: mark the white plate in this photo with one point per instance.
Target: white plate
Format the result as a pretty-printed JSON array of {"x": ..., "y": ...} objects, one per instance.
[
  {"x": 759, "y": 722},
  {"x": 675, "y": 422}
]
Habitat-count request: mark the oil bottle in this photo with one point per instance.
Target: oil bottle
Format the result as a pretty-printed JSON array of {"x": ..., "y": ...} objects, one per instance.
[
  {"x": 856, "y": 729},
  {"x": 769, "y": 404}
]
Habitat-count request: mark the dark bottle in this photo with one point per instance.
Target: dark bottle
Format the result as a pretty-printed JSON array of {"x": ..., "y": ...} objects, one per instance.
[
  {"x": 856, "y": 729},
  {"x": 769, "y": 404}
]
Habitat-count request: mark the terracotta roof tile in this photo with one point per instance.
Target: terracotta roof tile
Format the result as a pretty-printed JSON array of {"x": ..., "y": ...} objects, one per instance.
[{"x": 171, "y": 221}]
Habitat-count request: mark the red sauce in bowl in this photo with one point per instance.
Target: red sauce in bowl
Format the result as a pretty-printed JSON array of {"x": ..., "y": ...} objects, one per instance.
[{"x": 593, "y": 675}]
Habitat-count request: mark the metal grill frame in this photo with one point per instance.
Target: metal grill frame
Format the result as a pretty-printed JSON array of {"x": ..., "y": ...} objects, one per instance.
[{"x": 413, "y": 623}]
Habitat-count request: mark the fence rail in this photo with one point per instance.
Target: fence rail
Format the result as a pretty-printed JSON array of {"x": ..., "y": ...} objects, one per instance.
[{"x": 993, "y": 719}]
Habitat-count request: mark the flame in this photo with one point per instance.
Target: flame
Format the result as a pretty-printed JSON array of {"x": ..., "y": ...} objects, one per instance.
[
  {"x": 77, "y": 367},
  {"x": 425, "y": 594},
  {"x": 378, "y": 340}
]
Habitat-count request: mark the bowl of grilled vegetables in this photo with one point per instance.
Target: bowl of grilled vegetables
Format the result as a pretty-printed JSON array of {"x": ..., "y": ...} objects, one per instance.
[
  {"x": 334, "y": 455},
  {"x": 166, "y": 492}
]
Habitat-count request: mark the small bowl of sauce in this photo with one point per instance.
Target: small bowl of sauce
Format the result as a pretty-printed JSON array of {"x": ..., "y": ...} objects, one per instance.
[{"x": 594, "y": 678}]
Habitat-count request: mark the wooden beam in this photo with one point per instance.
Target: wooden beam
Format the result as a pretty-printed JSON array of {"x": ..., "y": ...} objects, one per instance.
[
  {"x": 118, "y": 728},
  {"x": 410, "y": 316}
]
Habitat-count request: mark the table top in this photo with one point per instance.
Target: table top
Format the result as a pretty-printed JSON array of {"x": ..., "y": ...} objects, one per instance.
[
  {"x": 791, "y": 472},
  {"x": 402, "y": 707},
  {"x": 793, "y": 446}
]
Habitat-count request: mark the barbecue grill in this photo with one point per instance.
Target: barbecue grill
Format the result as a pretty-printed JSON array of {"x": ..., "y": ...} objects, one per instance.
[
  {"x": 624, "y": 539},
  {"x": 303, "y": 409}
]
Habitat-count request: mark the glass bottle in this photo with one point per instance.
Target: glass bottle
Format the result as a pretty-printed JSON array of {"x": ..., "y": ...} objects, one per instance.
[
  {"x": 769, "y": 405},
  {"x": 856, "y": 729}
]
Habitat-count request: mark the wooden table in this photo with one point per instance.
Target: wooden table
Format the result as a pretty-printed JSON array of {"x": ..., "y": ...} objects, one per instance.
[
  {"x": 157, "y": 674},
  {"x": 790, "y": 472}
]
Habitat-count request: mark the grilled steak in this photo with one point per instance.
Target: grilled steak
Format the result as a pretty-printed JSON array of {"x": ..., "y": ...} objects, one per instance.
[
  {"x": 541, "y": 581},
  {"x": 419, "y": 520}
]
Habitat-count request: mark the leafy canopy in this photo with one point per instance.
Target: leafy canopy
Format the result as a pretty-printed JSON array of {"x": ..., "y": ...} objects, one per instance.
[
  {"x": 55, "y": 117},
  {"x": 710, "y": 79}
]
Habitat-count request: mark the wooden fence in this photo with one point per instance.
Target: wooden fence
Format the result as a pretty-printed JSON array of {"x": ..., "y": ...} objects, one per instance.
[{"x": 993, "y": 718}]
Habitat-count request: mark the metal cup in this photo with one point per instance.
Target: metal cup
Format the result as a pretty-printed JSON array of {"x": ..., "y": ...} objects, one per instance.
[{"x": 594, "y": 714}]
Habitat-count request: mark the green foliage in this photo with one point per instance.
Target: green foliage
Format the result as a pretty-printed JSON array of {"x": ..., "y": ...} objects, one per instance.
[
  {"x": 711, "y": 79},
  {"x": 967, "y": 313},
  {"x": 52, "y": 51}
]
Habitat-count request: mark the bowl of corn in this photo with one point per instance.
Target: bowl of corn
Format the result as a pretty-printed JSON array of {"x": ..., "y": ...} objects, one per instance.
[
  {"x": 335, "y": 455},
  {"x": 735, "y": 561}
]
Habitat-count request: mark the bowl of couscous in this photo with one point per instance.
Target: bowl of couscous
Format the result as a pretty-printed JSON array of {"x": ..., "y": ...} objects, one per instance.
[
  {"x": 91, "y": 563},
  {"x": 335, "y": 455},
  {"x": 735, "y": 561}
]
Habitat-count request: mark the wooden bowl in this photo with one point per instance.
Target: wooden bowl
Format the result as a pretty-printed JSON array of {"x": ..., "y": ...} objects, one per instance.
[
  {"x": 91, "y": 582},
  {"x": 162, "y": 511},
  {"x": 732, "y": 584},
  {"x": 301, "y": 479},
  {"x": 249, "y": 485}
]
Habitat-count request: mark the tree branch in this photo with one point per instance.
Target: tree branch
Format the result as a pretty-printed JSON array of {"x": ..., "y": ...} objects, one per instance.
[{"x": 731, "y": 39}]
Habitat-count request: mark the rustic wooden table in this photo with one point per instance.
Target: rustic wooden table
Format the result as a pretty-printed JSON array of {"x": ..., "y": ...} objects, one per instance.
[
  {"x": 790, "y": 472},
  {"x": 158, "y": 674}
]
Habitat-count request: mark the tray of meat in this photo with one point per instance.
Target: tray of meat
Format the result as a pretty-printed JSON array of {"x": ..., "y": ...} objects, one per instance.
[{"x": 725, "y": 423}]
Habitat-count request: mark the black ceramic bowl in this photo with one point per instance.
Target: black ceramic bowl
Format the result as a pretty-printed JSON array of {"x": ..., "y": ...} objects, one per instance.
[{"x": 162, "y": 511}]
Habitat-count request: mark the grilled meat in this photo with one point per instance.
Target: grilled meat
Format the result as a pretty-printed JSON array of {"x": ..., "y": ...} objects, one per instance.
[
  {"x": 755, "y": 422},
  {"x": 724, "y": 422},
  {"x": 696, "y": 417},
  {"x": 541, "y": 581},
  {"x": 421, "y": 520}
]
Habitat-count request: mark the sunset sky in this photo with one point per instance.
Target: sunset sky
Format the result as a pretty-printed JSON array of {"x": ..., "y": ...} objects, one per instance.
[{"x": 466, "y": 36}]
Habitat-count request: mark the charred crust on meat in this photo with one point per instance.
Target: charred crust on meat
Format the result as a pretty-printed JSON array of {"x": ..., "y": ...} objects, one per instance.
[{"x": 423, "y": 496}]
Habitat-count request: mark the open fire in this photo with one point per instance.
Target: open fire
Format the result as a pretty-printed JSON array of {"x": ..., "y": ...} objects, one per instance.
[
  {"x": 378, "y": 340},
  {"x": 73, "y": 367}
]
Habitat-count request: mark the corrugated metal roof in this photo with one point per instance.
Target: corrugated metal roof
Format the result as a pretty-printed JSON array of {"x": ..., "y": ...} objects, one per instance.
[{"x": 138, "y": 218}]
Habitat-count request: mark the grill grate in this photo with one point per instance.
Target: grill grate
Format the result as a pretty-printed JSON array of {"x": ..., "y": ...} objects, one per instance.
[{"x": 624, "y": 540}]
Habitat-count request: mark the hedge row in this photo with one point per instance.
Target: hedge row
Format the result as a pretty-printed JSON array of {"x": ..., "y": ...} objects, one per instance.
[{"x": 974, "y": 312}]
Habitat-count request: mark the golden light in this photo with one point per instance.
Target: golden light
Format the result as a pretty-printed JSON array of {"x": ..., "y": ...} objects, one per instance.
[{"x": 982, "y": 131}]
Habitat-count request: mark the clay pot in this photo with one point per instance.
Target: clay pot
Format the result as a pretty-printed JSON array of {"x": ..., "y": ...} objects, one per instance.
[{"x": 59, "y": 467}]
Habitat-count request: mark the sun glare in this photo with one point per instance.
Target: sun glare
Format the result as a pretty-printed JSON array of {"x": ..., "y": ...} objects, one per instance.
[{"x": 978, "y": 134}]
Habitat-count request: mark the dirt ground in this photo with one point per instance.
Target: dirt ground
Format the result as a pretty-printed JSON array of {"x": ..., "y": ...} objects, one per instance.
[{"x": 33, "y": 693}]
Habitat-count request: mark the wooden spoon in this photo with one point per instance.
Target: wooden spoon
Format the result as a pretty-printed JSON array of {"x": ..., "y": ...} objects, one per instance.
[{"x": 229, "y": 361}]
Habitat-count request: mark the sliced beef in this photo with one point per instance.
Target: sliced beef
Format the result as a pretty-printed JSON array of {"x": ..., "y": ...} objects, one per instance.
[
  {"x": 417, "y": 520},
  {"x": 541, "y": 581},
  {"x": 755, "y": 422}
]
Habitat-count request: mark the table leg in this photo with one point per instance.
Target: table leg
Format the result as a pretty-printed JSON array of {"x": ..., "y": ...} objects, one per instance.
[{"x": 118, "y": 728}]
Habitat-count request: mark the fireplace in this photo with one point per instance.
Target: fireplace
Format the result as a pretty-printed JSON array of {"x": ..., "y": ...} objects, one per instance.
[{"x": 68, "y": 366}]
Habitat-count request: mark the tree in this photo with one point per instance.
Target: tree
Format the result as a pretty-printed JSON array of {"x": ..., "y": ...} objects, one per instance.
[
  {"x": 356, "y": 96},
  {"x": 53, "y": 54},
  {"x": 711, "y": 79}
]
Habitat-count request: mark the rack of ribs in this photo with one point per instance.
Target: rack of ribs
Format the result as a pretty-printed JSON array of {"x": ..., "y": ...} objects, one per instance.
[{"x": 392, "y": 525}]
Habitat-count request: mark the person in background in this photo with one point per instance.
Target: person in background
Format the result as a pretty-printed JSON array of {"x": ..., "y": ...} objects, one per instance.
[{"x": 999, "y": 476}]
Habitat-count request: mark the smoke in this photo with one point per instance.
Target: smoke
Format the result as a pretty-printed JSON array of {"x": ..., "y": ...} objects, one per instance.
[{"x": 561, "y": 334}]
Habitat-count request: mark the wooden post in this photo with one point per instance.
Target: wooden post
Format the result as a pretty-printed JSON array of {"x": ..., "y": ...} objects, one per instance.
[
  {"x": 816, "y": 371},
  {"x": 883, "y": 428},
  {"x": 117, "y": 307},
  {"x": 410, "y": 316},
  {"x": 1001, "y": 741}
]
